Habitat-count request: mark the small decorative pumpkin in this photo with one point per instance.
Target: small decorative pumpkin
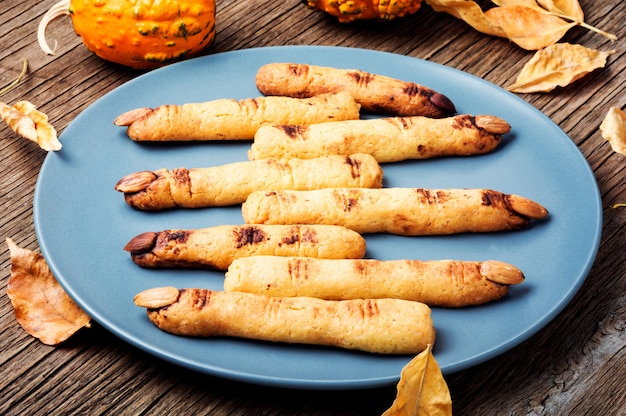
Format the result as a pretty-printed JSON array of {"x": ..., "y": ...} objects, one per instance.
[
  {"x": 350, "y": 10},
  {"x": 140, "y": 34}
]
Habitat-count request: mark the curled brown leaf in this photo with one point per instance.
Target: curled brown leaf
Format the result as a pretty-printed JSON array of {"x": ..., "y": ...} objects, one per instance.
[
  {"x": 558, "y": 65},
  {"x": 570, "y": 8},
  {"x": 18, "y": 122},
  {"x": 470, "y": 12},
  {"x": 42, "y": 308},
  {"x": 529, "y": 28},
  {"x": 46, "y": 134},
  {"x": 531, "y": 24},
  {"x": 613, "y": 129},
  {"x": 30, "y": 123}
]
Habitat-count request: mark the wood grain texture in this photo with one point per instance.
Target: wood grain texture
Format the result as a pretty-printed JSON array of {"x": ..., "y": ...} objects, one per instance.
[{"x": 574, "y": 366}]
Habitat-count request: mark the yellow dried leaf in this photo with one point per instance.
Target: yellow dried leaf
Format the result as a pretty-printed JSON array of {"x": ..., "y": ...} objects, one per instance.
[
  {"x": 470, "y": 12},
  {"x": 18, "y": 122},
  {"x": 558, "y": 65},
  {"x": 46, "y": 134},
  {"x": 531, "y": 24},
  {"x": 529, "y": 28},
  {"x": 531, "y": 4},
  {"x": 422, "y": 389},
  {"x": 524, "y": 22},
  {"x": 41, "y": 305},
  {"x": 613, "y": 129},
  {"x": 570, "y": 8}
]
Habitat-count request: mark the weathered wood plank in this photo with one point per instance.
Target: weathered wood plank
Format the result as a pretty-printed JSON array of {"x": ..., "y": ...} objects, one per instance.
[{"x": 575, "y": 365}]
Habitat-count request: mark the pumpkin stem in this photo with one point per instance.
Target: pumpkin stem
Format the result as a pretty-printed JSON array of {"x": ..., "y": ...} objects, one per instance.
[{"x": 59, "y": 9}]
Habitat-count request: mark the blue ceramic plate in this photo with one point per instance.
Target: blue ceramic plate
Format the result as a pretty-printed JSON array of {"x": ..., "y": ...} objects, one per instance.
[{"x": 82, "y": 223}]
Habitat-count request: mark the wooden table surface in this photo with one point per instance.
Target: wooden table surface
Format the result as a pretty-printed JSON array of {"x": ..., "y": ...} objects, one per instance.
[{"x": 574, "y": 366}]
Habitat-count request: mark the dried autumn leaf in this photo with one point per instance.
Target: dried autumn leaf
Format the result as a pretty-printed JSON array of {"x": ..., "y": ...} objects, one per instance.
[
  {"x": 570, "y": 8},
  {"x": 531, "y": 4},
  {"x": 422, "y": 390},
  {"x": 41, "y": 305},
  {"x": 558, "y": 65},
  {"x": 46, "y": 134},
  {"x": 530, "y": 24},
  {"x": 18, "y": 122},
  {"x": 613, "y": 129},
  {"x": 470, "y": 12},
  {"x": 30, "y": 123},
  {"x": 529, "y": 28},
  {"x": 523, "y": 22}
]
